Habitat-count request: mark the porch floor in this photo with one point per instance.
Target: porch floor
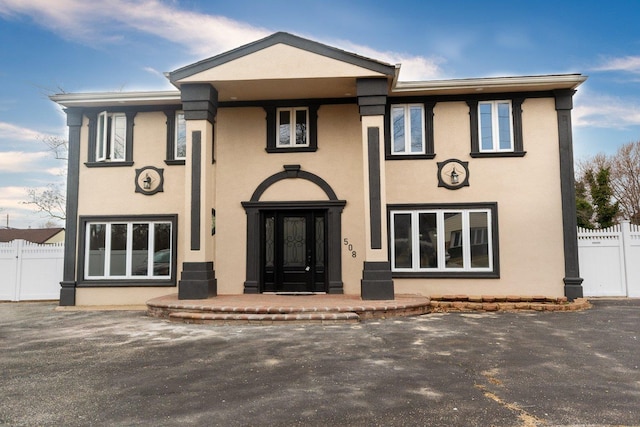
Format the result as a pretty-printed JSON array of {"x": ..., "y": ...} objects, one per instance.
[{"x": 265, "y": 309}]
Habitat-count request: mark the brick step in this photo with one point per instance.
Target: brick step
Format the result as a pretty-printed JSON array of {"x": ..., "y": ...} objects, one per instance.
[{"x": 264, "y": 318}]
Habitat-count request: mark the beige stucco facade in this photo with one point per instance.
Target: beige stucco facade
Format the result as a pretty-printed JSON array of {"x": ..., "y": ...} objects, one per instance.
[{"x": 235, "y": 164}]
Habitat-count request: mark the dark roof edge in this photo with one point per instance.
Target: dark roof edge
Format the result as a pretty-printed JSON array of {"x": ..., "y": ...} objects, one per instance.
[{"x": 288, "y": 39}]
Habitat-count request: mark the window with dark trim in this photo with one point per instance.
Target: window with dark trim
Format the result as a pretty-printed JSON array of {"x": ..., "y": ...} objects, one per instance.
[
  {"x": 127, "y": 251},
  {"x": 444, "y": 240},
  {"x": 409, "y": 131},
  {"x": 496, "y": 128},
  {"x": 292, "y": 129},
  {"x": 176, "y": 138},
  {"x": 110, "y": 139}
]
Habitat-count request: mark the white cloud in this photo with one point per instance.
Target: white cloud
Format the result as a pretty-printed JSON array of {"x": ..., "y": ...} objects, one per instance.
[
  {"x": 630, "y": 64},
  {"x": 604, "y": 111},
  {"x": 203, "y": 35},
  {"x": 9, "y": 131},
  {"x": 20, "y": 161}
]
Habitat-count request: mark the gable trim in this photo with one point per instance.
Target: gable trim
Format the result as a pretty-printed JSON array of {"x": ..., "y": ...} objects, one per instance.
[{"x": 287, "y": 39}]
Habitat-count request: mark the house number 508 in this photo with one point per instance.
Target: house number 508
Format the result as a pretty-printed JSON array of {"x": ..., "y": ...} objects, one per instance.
[{"x": 350, "y": 248}]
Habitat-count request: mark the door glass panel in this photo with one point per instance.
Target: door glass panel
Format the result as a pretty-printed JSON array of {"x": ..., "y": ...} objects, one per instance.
[
  {"x": 140, "y": 254},
  {"x": 269, "y": 244},
  {"x": 118, "y": 255},
  {"x": 478, "y": 221},
  {"x": 320, "y": 241},
  {"x": 96, "y": 249},
  {"x": 453, "y": 239},
  {"x": 402, "y": 240},
  {"x": 428, "y": 240},
  {"x": 294, "y": 245}
]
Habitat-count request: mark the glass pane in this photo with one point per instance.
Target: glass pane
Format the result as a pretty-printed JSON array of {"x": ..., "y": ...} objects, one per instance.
[
  {"x": 319, "y": 241},
  {"x": 428, "y": 240},
  {"x": 181, "y": 137},
  {"x": 416, "y": 129},
  {"x": 284, "y": 131},
  {"x": 118, "y": 137},
  {"x": 96, "y": 249},
  {"x": 453, "y": 234},
  {"x": 301, "y": 127},
  {"x": 479, "y": 239},
  {"x": 397, "y": 121},
  {"x": 140, "y": 252},
  {"x": 402, "y": 240},
  {"x": 101, "y": 136},
  {"x": 294, "y": 242},
  {"x": 486, "y": 131},
  {"x": 269, "y": 236},
  {"x": 504, "y": 125},
  {"x": 118, "y": 254},
  {"x": 162, "y": 249}
]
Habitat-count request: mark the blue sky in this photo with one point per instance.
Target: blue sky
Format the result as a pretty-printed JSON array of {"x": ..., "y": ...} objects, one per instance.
[{"x": 122, "y": 45}]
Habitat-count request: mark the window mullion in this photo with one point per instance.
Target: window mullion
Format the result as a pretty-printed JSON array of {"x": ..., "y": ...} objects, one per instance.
[
  {"x": 466, "y": 241},
  {"x": 415, "y": 241},
  {"x": 151, "y": 248}
]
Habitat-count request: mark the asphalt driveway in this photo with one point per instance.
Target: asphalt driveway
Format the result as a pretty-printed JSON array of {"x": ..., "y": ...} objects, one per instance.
[{"x": 500, "y": 369}]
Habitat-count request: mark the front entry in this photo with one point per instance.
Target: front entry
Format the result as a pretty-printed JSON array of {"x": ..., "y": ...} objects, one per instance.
[{"x": 294, "y": 252}]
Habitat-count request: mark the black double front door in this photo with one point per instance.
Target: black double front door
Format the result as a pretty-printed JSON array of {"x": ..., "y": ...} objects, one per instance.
[{"x": 294, "y": 251}]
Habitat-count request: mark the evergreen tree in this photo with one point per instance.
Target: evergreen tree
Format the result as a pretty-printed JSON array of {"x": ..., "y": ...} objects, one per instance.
[
  {"x": 584, "y": 209},
  {"x": 602, "y": 196}
]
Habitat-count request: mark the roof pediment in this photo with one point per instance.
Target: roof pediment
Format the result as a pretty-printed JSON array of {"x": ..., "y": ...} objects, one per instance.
[{"x": 281, "y": 57}]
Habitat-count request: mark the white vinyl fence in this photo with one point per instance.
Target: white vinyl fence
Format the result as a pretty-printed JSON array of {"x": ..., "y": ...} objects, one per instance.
[
  {"x": 29, "y": 271},
  {"x": 610, "y": 261}
]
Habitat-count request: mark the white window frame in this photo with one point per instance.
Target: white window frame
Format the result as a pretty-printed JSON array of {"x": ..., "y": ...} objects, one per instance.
[
  {"x": 495, "y": 127},
  {"x": 292, "y": 127},
  {"x": 105, "y": 149},
  {"x": 407, "y": 130},
  {"x": 129, "y": 251},
  {"x": 179, "y": 118},
  {"x": 441, "y": 240}
]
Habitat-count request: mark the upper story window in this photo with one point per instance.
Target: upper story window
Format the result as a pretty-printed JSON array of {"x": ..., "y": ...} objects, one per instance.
[
  {"x": 496, "y": 133},
  {"x": 407, "y": 129},
  {"x": 111, "y": 138},
  {"x": 180, "y": 149},
  {"x": 176, "y": 137},
  {"x": 496, "y": 128},
  {"x": 292, "y": 129}
]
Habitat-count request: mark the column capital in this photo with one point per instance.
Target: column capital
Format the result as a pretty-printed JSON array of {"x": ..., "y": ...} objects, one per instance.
[
  {"x": 199, "y": 101},
  {"x": 372, "y": 96}
]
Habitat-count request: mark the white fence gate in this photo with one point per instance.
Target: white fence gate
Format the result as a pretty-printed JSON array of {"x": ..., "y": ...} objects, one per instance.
[
  {"x": 610, "y": 260},
  {"x": 29, "y": 271}
]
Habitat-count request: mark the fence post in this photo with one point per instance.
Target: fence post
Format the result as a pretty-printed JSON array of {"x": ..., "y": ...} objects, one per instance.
[
  {"x": 626, "y": 251},
  {"x": 19, "y": 244}
]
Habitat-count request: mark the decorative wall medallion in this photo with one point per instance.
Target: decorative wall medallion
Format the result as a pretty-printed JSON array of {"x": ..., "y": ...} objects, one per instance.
[
  {"x": 453, "y": 174},
  {"x": 149, "y": 180}
]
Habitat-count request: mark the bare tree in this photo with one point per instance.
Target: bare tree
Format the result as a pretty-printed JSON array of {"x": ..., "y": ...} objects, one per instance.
[
  {"x": 625, "y": 180},
  {"x": 624, "y": 174},
  {"x": 51, "y": 199}
]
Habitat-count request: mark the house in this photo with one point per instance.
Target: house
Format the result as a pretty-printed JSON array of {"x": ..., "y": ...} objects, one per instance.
[
  {"x": 290, "y": 166},
  {"x": 33, "y": 235}
]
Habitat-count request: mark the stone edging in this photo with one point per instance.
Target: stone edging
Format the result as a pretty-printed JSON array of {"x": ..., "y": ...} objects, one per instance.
[{"x": 457, "y": 303}]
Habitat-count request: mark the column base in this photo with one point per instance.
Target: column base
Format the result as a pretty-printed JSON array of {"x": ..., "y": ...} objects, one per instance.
[
  {"x": 67, "y": 293},
  {"x": 197, "y": 281},
  {"x": 573, "y": 288},
  {"x": 376, "y": 283}
]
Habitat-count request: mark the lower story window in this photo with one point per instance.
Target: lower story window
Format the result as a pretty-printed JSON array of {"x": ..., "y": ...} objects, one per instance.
[
  {"x": 444, "y": 240},
  {"x": 130, "y": 250}
]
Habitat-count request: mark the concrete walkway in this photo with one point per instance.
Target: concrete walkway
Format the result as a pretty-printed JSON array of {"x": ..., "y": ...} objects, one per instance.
[{"x": 443, "y": 369}]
